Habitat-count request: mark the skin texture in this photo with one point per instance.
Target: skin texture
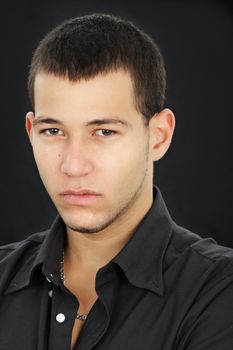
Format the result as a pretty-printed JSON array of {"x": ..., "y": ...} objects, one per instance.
[
  {"x": 79, "y": 144},
  {"x": 117, "y": 164}
]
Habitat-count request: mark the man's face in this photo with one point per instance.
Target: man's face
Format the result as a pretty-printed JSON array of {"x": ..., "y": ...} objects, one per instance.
[{"x": 92, "y": 149}]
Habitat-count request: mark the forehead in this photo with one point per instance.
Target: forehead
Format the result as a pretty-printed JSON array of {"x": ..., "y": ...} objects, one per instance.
[{"x": 109, "y": 93}]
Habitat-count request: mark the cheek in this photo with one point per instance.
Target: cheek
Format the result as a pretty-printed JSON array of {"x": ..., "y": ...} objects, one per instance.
[
  {"x": 47, "y": 161},
  {"x": 125, "y": 167},
  {"x": 45, "y": 150}
]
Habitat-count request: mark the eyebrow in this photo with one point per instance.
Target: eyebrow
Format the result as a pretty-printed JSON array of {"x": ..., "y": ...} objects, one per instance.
[
  {"x": 44, "y": 120},
  {"x": 102, "y": 121},
  {"x": 108, "y": 121}
]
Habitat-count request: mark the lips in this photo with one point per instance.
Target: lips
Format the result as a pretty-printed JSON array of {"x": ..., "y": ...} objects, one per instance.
[
  {"x": 80, "y": 192},
  {"x": 80, "y": 197}
]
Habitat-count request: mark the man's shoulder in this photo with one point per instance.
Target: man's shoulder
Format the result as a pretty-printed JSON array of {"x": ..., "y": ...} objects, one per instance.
[
  {"x": 202, "y": 254},
  {"x": 18, "y": 257},
  {"x": 13, "y": 254},
  {"x": 26, "y": 245},
  {"x": 206, "y": 247}
]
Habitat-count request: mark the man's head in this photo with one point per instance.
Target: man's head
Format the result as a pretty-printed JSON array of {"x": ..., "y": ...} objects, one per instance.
[
  {"x": 91, "y": 144},
  {"x": 83, "y": 47}
]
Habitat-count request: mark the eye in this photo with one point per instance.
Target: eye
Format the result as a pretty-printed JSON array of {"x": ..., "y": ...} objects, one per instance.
[
  {"x": 105, "y": 132},
  {"x": 51, "y": 132}
]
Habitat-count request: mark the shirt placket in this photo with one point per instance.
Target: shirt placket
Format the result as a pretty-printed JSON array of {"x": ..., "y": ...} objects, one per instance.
[{"x": 63, "y": 312}]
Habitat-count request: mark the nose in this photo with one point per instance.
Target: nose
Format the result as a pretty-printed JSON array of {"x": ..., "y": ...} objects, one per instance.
[{"x": 76, "y": 160}]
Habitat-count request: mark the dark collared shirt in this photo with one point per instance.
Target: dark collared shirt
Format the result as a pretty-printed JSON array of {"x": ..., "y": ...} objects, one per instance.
[{"x": 167, "y": 289}]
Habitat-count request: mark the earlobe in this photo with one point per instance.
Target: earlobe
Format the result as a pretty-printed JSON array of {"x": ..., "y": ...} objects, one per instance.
[
  {"x": 29, "y": 124},
  {"x": 162, "y": 127}
]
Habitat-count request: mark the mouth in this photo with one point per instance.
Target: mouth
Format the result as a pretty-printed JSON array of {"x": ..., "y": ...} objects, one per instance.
[{"x": 80, "y": 197}]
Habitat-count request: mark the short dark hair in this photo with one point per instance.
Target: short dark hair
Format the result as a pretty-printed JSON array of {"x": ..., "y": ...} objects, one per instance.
[{"x": 83, "y": 47}]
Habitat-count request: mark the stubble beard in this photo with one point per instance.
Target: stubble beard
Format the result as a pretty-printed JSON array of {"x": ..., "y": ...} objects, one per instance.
[{"x": 116, "y": 215}]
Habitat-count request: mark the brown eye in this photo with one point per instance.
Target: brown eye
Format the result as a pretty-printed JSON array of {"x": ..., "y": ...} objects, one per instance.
[
  {"x": 105, "y": 132},
  {"x": 53, "y": 131}
]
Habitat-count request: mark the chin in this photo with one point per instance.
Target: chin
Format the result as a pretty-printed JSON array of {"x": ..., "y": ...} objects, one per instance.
[
  {"x": 87, "y": 224},
  {"x": 82, "y": 229}
]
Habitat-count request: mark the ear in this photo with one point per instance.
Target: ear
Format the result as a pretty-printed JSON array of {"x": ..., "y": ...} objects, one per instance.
[
  {"x": 29, "y": 124},
  {"x": 161, "y": 128}
]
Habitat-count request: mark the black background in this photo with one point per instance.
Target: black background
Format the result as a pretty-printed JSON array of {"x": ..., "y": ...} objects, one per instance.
[{"x": 195, "y": 176}]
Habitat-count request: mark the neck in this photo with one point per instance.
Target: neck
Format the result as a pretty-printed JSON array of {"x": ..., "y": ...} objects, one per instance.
[{"x": 91, "y": 251}]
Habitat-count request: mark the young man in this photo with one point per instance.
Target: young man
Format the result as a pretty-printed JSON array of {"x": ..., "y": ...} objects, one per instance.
[{"x": 114, "y": 271}]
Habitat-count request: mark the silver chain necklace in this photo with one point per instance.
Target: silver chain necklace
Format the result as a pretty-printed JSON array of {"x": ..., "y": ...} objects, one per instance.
[{"x": 62, "y": 275}]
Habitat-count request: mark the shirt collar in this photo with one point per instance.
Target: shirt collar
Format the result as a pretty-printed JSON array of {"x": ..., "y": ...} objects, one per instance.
[
  {"x": 45, "y": 256},
  {"x": 141, "y": 259},
  {"x": 51, "y": 250}
]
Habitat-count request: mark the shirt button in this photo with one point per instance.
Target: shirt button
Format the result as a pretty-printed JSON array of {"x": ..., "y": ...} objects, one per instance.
[
  {"x": 50, "y": 293},
  {"x": 60, "y": 318}
]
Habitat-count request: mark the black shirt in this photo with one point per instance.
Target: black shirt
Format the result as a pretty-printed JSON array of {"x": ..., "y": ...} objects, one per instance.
[{"x": 167, "y": 289}]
